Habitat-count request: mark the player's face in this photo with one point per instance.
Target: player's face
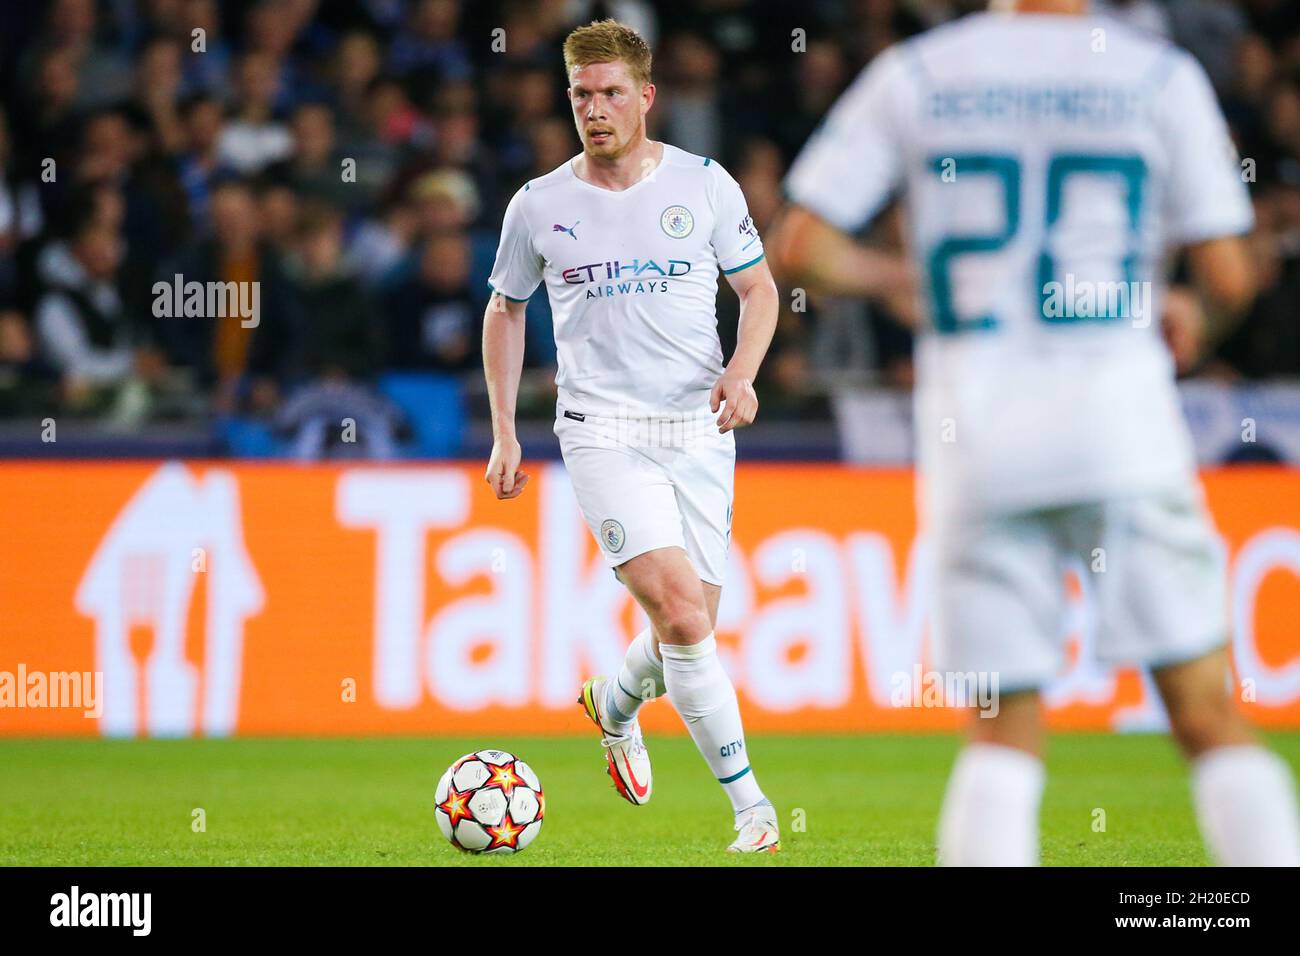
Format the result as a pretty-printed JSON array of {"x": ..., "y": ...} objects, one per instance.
[{"x": 609, "y": 107}]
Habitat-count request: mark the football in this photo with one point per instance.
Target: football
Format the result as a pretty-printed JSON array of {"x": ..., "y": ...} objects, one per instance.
[{"x": 490, "y": 802}]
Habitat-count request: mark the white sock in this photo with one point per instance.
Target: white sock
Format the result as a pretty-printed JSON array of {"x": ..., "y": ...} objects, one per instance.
[
  {"x": 704, "y": 696},
  {"x": 990, "y": 810},
  {"x": 640, "y": 679},
  {"x": 1246, "y": 806}
]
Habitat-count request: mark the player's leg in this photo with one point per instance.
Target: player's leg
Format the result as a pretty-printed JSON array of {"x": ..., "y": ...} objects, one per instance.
[
  {"x": 756, "y": 826},
  {"x": 1244, "y": 794},
  {"x": 667, "y": 585},
  {"x": 630, "y": 506},
  {"x": 990, "y": 808},
  {"x": 704, "y": 482},
  {"x": 1165, "y": 587},
  {"x": 641, "y": 677},
  {"x": 997, "y": 604}
]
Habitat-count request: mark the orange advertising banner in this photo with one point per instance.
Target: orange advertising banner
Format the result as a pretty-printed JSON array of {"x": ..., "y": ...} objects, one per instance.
[{"x": 215, "y": 598}]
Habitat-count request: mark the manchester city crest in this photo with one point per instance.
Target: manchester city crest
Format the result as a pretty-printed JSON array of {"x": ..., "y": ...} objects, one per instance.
[
  {"x": 611, "y": 532},
  {"x": 677, "y": 222}
]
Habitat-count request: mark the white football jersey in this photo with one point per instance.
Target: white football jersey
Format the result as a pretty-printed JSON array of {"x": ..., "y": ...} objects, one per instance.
[
  {"x": 632, "y": 277},
  {"x": 1047, "y": 164}
]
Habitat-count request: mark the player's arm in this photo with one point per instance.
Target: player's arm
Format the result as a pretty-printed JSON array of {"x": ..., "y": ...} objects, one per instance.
[
  {"x": 503, "y": 363},
  {"x": 1224, "y": 275},
  {"x": 811, "y": 252},
  {"x": 734, "y": 392},
  {"x": 1197, "y": 319},
  {"x": 1208, "y": 214},
  {"x": 515, "y": 275}
]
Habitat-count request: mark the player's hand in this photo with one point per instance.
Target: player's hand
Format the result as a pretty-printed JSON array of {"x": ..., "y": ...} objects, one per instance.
[
  {"x": 1184, "y": 328},
  {"x": 503, "y": 472},
  {"x": 737, "y": 394}
]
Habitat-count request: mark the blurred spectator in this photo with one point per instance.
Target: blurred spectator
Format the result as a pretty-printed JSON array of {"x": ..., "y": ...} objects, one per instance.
[
  {"x": 357, "y": 64},
  {"x": 21, "y": 215},
  {"x": 552, "y": 144},
  {"x": 103, "y": 76},
  {"x": 429, "y": 49},
  {"x": 254, "y": 137},
  {"x": 445, "y": 200},
  {"x": 381, "y": 243},
  {"x": 117, "y": 153},
  {"x": 200, "y": 163},
  {"x": 378, "y": 142},
  {"x": 158, "y": 91},
  {"x": 786, "y": 377},
  {"x": 277, "y": 208},
  {"x": 638, "y": 14},
  {"x": 248, "y": 366},
  {"x": 336, "y": 413},
  {"x": 880, "y": 23},
  {"x": 83, "y": 332},
  {"x": 272, "y": 28},
  {"x": 693, "y": 115},
  {"x": 822, "y": 74},
  {"x": 1267, "y": 343},
  {"x": 19, "y": 394},
  {"x": 48, "y": 125},
  {"x": 532, "y": 95},
  {"x": 314, "y": 170},
  {"x": 458, "y": 144},
  {"x": 1245, "y": 102},
  {"x": 347, "y": 342},
  {"x": 759, "y": 175},
  {"x": 205, "y": 70},
  {"x": 433, "y": 319},
  {"x": 531, "y": 40}
]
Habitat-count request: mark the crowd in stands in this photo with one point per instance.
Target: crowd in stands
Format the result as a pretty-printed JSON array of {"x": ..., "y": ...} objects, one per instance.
[{"x": 354, "y": 159}]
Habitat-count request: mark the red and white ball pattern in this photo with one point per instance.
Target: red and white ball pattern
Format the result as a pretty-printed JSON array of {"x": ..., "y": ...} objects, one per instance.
[{"x": 490, "y": 802}]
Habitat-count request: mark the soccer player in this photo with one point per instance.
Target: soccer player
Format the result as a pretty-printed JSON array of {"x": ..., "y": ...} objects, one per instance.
[
  {"x": 1048, "y": 162},
  {"x": 629, "y": 236}
]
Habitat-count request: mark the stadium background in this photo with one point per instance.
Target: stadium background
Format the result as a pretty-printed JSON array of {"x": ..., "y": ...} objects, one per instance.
[{"x": 160, "y": 525}]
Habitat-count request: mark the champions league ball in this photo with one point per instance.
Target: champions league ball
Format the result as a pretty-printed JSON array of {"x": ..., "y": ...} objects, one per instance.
[{"x": 490, "y": 802}]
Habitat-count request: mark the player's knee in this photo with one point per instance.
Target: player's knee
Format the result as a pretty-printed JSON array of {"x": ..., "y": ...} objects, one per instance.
[
  {"x": 1017, "y": 723},
  {"x": 1207, "y": 723},
  {"x": 679, "y": 620}
]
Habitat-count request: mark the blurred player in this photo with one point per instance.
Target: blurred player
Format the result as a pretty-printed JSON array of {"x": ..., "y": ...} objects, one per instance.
[
  {"x": 1048, "y": 162},
  {"x": 629, "y": 237}
]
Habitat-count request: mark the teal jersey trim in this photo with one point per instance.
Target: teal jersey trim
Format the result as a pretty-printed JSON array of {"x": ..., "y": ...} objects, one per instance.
[
  {"x": 761, "y": 255},
  {"x": 504, "y": 296}
]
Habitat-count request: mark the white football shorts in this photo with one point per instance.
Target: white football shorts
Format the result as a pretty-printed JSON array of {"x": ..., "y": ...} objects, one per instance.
[
  {"x": 1153, "y": 564},
  {"x": 647, "y": 483}
]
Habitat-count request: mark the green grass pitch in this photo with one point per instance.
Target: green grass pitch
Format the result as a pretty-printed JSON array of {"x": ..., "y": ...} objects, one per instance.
[{"x": 849, "y": 800}]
